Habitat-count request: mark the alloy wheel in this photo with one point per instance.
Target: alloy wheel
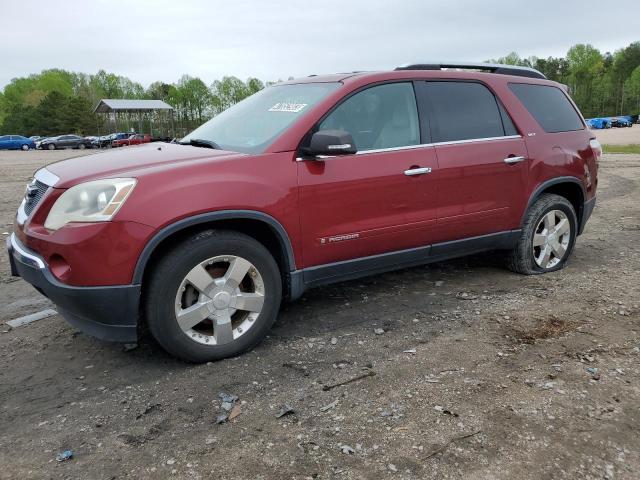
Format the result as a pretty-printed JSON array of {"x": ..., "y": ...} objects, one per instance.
[
  {"x": 551, "y": 239},
  {"x": 219, "y": 300}
]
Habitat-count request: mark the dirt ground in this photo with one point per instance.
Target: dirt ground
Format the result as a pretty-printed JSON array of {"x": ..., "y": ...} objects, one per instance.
[
  {"x": 480, "y": 374},
  {"x": 619, "y": 136}
]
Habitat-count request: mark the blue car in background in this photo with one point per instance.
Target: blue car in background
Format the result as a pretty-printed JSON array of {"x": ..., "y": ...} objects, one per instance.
[
  {"x": 621, "y": 122},
  {"x": 16, "y": 142},
  {"x": 598, "y": 123}
]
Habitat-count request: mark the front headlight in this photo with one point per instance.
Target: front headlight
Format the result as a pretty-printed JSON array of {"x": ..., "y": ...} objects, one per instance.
[{"x": 96, "y": 201}]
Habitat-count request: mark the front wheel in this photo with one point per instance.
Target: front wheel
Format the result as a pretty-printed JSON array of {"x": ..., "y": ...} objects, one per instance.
[
  {"x": 548, "y": 236},
  {"x": 81, "y": 146},
  {"x": 51, "y": 146},
  {"x": 213, "y": 296},
  {"x": 25, "y": 147}
]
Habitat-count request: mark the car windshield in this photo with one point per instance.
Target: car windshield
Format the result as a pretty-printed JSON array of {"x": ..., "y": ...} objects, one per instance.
[{"x": 253, "y": 124}]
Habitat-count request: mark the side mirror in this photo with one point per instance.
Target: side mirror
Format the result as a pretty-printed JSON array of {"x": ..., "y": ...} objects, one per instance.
[{"x": 331, "y": 142}]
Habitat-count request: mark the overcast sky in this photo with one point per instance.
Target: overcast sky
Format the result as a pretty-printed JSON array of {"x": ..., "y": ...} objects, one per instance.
[{"x": 273, "y": 39}]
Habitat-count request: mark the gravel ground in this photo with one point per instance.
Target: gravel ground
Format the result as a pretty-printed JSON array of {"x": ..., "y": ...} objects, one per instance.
[
  {"x": 455, "y": 370},
  {"x": 619, "y": 136}
]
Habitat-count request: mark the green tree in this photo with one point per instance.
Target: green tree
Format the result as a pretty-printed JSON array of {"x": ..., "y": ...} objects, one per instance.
[
  {"x": 625, "y": 61},
  {"x": 586, "y": 64},
  {"x": 77, "y": 116},
  {"x": 632, "y": 91},
  {"x": 158, "y": 91},
  {"x": 227, "y": 92},
  {"x": 48, "y": 116},
  {"x": 196, "y": 97},
  {"x": 254, "y": 85},
  {"x": 511, "y": 59}
]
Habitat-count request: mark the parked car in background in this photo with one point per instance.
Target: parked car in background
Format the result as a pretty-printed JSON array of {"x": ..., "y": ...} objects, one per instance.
[
  {"x": 39, "y": 142},
  {"x": 65, "y": 141},
  {"x": 306, "y": 183},
  {"x": 16, "y": 142},
  {"x": 36, "y": 138},
  {"x": 598, "y": 123},
  {"x": 136, "y": 139},
  {"x": 621, "y": 122},
  {"x": 105, "y": 141}
]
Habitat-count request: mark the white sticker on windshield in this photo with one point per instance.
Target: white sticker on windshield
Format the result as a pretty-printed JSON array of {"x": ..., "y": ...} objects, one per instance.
[{"x": 288, "y": 107}]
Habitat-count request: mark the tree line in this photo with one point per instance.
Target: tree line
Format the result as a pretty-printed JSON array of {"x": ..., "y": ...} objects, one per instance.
[
  {"x": 602, "y": 84},
  {"x": 57, "y": 101}
]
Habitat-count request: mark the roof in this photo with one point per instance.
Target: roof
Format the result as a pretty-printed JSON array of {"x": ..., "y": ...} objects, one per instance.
[{"x": 108, "y": 105}]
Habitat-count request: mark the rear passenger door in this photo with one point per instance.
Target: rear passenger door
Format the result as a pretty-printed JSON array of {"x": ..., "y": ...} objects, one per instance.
[{"x": 482, "y": 160}]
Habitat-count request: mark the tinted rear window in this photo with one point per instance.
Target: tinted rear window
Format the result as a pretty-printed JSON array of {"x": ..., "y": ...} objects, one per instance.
[
  {"x": 549, "y": 106},
  {"x": 464, "y": 111}
]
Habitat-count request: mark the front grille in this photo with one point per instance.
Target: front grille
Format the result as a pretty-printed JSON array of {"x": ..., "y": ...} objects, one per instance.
[{"x": 35, "y": 192}]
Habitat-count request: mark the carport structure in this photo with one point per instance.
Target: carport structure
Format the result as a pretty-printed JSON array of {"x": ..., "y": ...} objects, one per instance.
[{"x": 156, "y": 114}]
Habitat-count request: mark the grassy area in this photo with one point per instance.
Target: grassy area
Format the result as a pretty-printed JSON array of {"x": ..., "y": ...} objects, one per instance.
[{"x": 634, "y": 148}]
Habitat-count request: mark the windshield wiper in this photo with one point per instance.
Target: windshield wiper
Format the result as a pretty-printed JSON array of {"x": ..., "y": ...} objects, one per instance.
[{"x": 199, "y": 142}]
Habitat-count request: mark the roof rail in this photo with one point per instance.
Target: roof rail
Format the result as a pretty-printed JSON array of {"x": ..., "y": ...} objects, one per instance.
[{"x": 488, "y": 67}]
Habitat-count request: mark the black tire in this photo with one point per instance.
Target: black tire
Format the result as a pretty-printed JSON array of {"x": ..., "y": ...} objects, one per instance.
[
  {"x": 172, "y": 268},
  {"x": 25, "y": 147},
  {"x": 51, "y": 146},
  {"x": 521, "y": 258},
  {"x": 81, "y": 146}
]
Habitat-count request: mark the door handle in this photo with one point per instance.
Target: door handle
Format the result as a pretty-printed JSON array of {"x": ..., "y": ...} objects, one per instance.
[
  {"x": 511, "y": 160},
  {"x": 417, "y": 171}
]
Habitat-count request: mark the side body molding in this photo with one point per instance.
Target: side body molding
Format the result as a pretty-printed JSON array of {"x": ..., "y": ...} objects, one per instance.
[{"x": 203, "y": 218}]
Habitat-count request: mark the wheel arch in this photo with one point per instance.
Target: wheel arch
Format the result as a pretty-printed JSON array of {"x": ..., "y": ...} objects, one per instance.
[
  {"x": 264, "y": 228},
  {"x": 570, "y": 188}
]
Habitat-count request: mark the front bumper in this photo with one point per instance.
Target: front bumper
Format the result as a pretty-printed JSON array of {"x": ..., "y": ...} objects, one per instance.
[{"x": 108, "y": 313}]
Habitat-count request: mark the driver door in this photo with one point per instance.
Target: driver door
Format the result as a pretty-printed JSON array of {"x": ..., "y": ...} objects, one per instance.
[{"x": 383, "y": 198}]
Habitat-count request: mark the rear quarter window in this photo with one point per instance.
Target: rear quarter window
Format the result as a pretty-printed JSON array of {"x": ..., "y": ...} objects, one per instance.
[{"x": 549, "y": 106}]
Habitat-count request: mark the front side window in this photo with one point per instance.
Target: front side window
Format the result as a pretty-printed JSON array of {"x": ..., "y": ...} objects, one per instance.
[
  {"x": 463, "y": 111},
  {"x": 251, "y": 125},
  {"x": 384, "y": 116},
  {"x": 549, "y": 106}
]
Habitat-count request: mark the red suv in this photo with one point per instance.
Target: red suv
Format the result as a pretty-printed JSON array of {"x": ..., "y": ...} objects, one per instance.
[{"x": 305, "y": 183}]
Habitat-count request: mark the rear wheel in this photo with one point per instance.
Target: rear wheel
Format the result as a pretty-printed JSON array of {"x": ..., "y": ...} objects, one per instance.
[
  {"x": 548, "y": 236},
  {"x": 213, "y": 296}
]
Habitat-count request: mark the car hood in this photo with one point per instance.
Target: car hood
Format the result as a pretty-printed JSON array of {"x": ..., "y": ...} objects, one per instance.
[{"x": 132, "y": 162}]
